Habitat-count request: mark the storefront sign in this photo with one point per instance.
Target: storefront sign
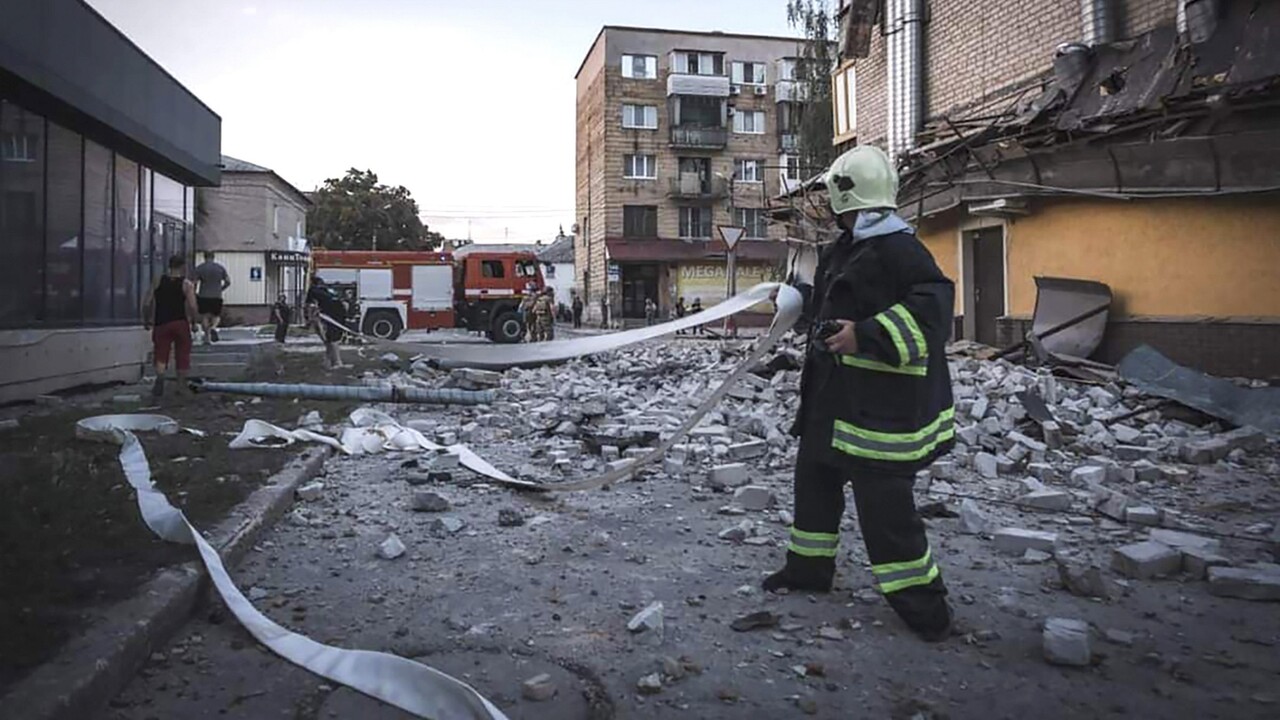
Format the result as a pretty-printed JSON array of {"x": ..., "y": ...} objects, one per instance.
[
  {"x": 706, "y": 281},
  {"x": 615, "y": 272},
  {"x": 286, "y": 257}
]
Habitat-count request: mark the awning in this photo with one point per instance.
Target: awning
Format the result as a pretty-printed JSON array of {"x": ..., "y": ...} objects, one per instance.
[{"x": 661, "y": 250}]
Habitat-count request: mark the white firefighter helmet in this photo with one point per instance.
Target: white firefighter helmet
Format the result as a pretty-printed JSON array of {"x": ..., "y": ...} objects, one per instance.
[{"x": 862, "y": 178}]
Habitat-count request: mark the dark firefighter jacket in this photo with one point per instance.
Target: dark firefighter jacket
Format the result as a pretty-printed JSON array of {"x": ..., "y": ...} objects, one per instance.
[{"x": 888, "y": 407}]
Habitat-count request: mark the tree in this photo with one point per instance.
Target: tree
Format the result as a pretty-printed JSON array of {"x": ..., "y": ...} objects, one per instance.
[
  {"x": 815, "y": 20},
  {"x": 355, "y": 212}
]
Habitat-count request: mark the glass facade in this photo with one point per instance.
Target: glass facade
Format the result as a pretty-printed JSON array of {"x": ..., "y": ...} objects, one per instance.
[{"x": 83, "y": 229}]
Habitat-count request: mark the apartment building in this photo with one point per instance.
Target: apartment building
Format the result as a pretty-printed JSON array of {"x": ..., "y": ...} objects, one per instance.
[
  {"x": 679, "y": 133},
  {"x": 1131, "y": 142}
]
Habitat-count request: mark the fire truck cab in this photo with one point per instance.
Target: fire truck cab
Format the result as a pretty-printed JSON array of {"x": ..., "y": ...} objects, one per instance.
[{"x": 401, "y": 290}]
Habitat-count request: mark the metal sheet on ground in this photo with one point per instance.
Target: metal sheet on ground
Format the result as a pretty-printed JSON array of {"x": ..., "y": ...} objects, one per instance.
[
  {"x": 1146, "y": 369},
  {"x": 1061, "y": 299}
]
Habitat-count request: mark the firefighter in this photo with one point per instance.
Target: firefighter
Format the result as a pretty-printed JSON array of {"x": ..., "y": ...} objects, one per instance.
[
  {"x": 525, "y": 311},
  {"x": 876, "y": 401},
  {"x": 540, "y": 315}
]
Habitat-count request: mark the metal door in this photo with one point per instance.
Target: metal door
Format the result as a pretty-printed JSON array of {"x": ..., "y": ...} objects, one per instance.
[{"x": 988, "y": 282}]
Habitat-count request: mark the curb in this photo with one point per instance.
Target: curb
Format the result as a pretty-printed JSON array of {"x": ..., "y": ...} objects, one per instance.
[{"x": 95, "y": 666}]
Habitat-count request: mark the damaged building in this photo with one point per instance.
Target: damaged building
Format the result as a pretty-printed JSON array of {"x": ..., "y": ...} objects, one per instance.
[{"x": 1133, "y": 144}]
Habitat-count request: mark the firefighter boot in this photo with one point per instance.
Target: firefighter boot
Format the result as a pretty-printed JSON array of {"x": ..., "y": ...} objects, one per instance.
[{"x": 812, "y": 574}]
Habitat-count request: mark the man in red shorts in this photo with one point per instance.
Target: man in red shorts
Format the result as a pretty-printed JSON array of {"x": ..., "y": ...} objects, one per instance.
[{"x": 169, "y": 311}]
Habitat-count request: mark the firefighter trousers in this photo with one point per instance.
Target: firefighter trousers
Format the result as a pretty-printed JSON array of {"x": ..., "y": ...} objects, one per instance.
[{"x": 902, "y": 563}]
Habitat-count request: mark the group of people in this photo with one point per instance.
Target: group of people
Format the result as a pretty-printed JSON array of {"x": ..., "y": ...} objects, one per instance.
[{"x": 537, "y": 309}]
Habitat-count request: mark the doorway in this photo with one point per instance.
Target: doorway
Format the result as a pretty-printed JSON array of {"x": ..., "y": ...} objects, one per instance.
[
  {"x": 984, "y": 282},
  {"x": 638, "y": 282}
]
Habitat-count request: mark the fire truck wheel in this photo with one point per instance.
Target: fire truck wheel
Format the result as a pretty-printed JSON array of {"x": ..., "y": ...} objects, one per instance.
[
  {"x": 507, "y": 328},
  {"x": 383, "y": 324}
]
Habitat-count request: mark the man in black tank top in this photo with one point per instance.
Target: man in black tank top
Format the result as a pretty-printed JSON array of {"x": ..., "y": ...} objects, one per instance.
[{"x": 168, "y": 311}]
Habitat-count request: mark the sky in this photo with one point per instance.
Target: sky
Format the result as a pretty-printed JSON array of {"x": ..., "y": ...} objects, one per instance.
[{"x": 467, "y": 103}]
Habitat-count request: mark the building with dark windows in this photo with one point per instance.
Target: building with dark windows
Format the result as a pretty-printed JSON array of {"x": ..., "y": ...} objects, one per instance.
[{"x": 100, "y": 154}]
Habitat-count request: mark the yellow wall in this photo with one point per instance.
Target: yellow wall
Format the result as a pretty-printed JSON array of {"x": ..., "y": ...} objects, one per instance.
[
  {"x": 941, "y": 237},
  {"x": 1171, "y": 257}
]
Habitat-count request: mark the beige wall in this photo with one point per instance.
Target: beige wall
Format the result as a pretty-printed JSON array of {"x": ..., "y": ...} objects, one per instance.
[{"x": 239, "y": 215}]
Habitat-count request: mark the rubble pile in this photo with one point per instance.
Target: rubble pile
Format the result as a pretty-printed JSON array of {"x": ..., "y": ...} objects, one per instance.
[{"x": 1117, "y": 487}]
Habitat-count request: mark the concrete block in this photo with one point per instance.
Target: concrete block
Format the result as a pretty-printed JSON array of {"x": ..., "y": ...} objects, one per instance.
[
  {"x": 1051, "y": 500},
  {"x": 1129, "y": 453},
  {"x": 538, "y": 688},
  {"x": 1088, "y": 475},
  {"x": 1142, "y": 515},
  {"x": 1110, "y": 503},
  {"x": 1146, "y": 471},
  {"x": 1043, "y": 472},
  {"x": 310, "y": 491},
  {"x": 673, "y": 466},
  {"x": 1252, "y": 582},
  {"x": 427, "y": 501},
  {"x": 727, "y": 476},
  {"x": 1205, "y": 452},
  {"x": 972, "y": 519},
  {"x": 1184, "y": 541},
  {"x": 1016, "y": 541},
  {"x": 484, "y": 378},
  {"x": 986, "y": 465},
  {"x": 1145, "y": 560},
  {"x": 1052, "y": 434},
  {"x": 1197, "y": 561},
  {"x": 1066, "y": 642},
  {"x": 1126, "y": 435},
  {"x": 979, "y": 408},
  {"x": 754, "y": 497},
  {"x": 1029, "y": 443},
  {"x": 748, "y": 450}
]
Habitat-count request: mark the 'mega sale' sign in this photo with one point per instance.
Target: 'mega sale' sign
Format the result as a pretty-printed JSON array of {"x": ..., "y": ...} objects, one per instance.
[{"x": 706, "y": 281}]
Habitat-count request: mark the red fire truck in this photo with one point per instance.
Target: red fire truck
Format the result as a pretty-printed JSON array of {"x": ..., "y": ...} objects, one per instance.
[{"x": 400, "y": 290}]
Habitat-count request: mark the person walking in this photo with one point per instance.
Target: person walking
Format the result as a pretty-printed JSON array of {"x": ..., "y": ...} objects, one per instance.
[
  {"x": 213, "y": 280},
  {"x": 525, "y": 311},
  {"x": 324, "y": 300},
  {"x": 650, "y": 311},
  {"x": 168, "y": 311},
  {"x": 604, "y": 312},
  {"x": 680, "y": 312},
  {"x": 280, "y": 315},
  {"x": 577, "y": 307},
  {"x": 542, "y": 318},
  {"x": 876, "y": 403}
]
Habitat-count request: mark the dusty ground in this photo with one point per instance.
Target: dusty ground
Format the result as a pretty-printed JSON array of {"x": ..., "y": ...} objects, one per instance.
[
  {"x": 496, "y": 605},
  {"x": 69, "y": 525}
]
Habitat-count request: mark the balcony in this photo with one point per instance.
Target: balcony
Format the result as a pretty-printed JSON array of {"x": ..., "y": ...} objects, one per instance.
[
  {"x": 699, "y": 137},
  {"x": 705, "y": 85},
  {"x": 693, "y": 186},
  {"x": 791, "y": 91},
  {"x": 788, "y": 143}
]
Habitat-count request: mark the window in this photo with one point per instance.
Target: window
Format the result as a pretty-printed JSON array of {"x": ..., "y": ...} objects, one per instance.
[
  {"x": 697, "y": 111},
  {"x": 640, "y": 67},
  {"x": 687, "y": 62},
  {"x": 491, "y": 269},
  {"x": 639, "y": 221},
  {"x": 549, "y": 271},
  {"x": 695, "y": 222},
  {"x": 790, "y": 167},
  {"x": 127, "y": 297},
  {"x": 525, "y": 268},
  {"x": 750, "y": 122},
  {"x": 753, "y": 220},
  {"x": 275, "y": 220},
  {"x": 62, "y": 231},
  {"x": 748, "y": 73},
  {"x": 21, "y": 219},
  {"x": 845, "y": 93},
  {"x": 747, "y": 171},
  {"x": 19, "y": 147},
  {"x": 787, "y": 69},
  {"x": 644, "y": 117},
  {"x": 98, "y": 173},
  {"x": 639, "y": 167}
]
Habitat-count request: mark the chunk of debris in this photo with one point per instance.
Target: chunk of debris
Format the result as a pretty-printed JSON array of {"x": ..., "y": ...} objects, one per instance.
[
  {"x": 1050, "y": 500},
  {"x": 1197, "y": 561},
  {"x": 755, "y": 621},
  {"x": 1260, "y": 581},
  {"x": 1066, "y": 642},
  {"x": 447, "y": 525},
  {"x": 1084, "y": 580},
  {"x": 972, "y": 519},
  {"x": 310, "y": 491},
  {"x": 1016, "y": 541},
  {"x": 650, "y": 684},
  {"x": 986, "y": 465},
  {"x": 538, "y": 688},
  {"x": 510, "y": 517},
  {"x": 748, "y": 450},
  {"x": 754, "y": 497},
  {"x": 1088, "y": 476},
  {"x": 477, "y": 378},
  {"x": 1119, "y": 637},
  {"x": 391, "y": 548},
  {"x": 739, "y": 532},
  {"x": 126, "y": 400},
  {"x": 1183, "y": 540},
  {"x": 1142, "y": 515},
  {"x": 427, "y": 501},
  {"x": 1204, "y": 452},
  {"x": 649, "y": 618},
  {"x": 8, "y": 424},
  {"x": 1146, "y": 560},
  {"x": 727, "y": 476}
]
